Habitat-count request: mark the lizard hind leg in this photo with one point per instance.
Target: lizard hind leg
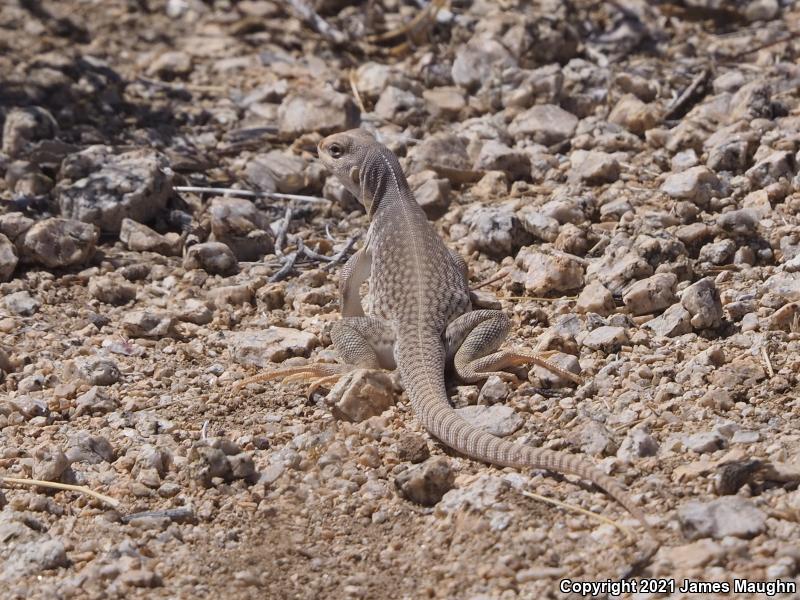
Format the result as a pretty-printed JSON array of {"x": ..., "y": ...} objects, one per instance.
[
  {"x": 363, "y": 342},
  {"x": 472, "y": 342}
]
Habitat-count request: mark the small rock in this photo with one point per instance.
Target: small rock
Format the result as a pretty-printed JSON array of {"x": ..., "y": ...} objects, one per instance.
[
  {"x": 496, "y": 156},
  {"x": 606, "y": 338},
  {"x": 494, "y": 229},
  {"x": 263, "y": 347},
  {"x": 231, "y": 295},
  {"x": 271, "y": 171},
  {"x": 718, "y": 253},
  {"x": 741, "y": 223},
  {"x": 478, "y": 59},
  {"x": 494, "y": 390},
  {"x": 695, "y": 555},
  {"x": 59, "y": 243},
  {"x": 31, "y": 558},
  {"x": 315, "y": 110},
  {"x": 704, "y": 442},
  {"x": 637, "y": 444},
  {"x": 89, "y": 449},
  {"x": 702, "y": 300},
  {"x": 238, "y": 224},
  {"x": 675, "y": 321},
  {"x": 595, "y": 298},
  {"x": 431, "y": 192},
  {"x": 697, "y": 184},
  {"x": 195, "y": 311},
  {"x": 727, "y": 516},
  {"x": 361, "y": 394},
  {"x": 594, "y": 167},
  {"x": 94, "y": 402},
  {"x": 633, "y": 114},
  {"x": 544, "y": 124},
  {"x": 50, "y": 464},
  {"x": 112, "y": 289},
  {"x": 213, "y": 257},
  {"x": 427, "y": 482},
  {"x": 8, "y": 258},
  {"x": 552, "y": 272},
  {"x": 498, "y": 419},
  {"x": 25, "y": 126},
  {"x": 112, "y": 187},
  {"x": 140, "y": 238},
  {"x": 538, "y": 224},
  {"x": 399, "y": 106},
  {"x": 412, "y": 448},
  {"x": 772, "y": 169},
  {"x": 22, "y": 303},
  {"x": 651, "y": 295},
  {"x": 99, "y": 371},
  {"x": 147, "y": 323},
  {"x": 594, "y": 439},
  {"x": 446, "y": 102},
  {"x": 170, "y": 65}
]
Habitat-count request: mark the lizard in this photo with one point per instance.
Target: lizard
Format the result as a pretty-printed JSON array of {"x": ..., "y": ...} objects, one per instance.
[{"x": 421, "y": 318}]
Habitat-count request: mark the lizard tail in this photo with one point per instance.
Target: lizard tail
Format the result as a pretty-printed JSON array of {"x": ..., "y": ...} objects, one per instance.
[{"x": 432, "y": 407}]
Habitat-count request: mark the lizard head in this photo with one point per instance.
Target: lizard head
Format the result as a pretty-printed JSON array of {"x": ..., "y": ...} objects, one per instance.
[{"x": 345, "y": 154}]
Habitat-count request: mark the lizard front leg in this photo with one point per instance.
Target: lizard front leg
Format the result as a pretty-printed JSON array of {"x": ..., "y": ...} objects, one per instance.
[
  {"x": 354, "y": 272},
  {"x": 472, "y": 341}
]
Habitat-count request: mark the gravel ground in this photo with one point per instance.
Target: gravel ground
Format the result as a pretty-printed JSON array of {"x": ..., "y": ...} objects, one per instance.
[{"x": 625, "y": 177}]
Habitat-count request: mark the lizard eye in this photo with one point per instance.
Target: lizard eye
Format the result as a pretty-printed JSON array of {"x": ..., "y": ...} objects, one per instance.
[{"x": 335, "y": 150}]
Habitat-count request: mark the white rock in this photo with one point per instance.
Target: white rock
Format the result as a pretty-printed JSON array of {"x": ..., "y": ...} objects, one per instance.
[
  {"x": 498, "y": 419},
  {"x": 265, "y": 346}
]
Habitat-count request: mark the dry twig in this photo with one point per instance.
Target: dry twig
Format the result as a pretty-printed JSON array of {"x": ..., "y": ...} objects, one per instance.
[
  {"x": 247, "y": 193},
  {"x": 61, "y": 486},
  {"x": 627, "y": 532}
]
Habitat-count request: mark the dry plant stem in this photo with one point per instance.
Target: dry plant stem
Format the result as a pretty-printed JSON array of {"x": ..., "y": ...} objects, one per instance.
[
  {"x": 497, "y": 277},
  {"x": 61, "y": 486},
  {"x": 247, "y": 193},
  {"x": 354, "y": 88},
  {"x": 625, "y": 531},
  {"x": 280, "y": 238},
  {"x": 304, "y": 10}
]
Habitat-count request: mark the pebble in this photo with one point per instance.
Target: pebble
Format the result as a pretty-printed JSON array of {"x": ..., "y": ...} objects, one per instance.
[
  {"x": 316, "y": 110},
  {"x": 702, "y": 300},
  {"x": 55, "y": 243},
  {"x": 696, "y": 184},
  {"x": 22, "y": 303},
  {"x": 262, "y": 348},
  {"x": 426, "y": 482},
  {"x": 544, "y": 124},
  {"x": 651, "y": 295},
  {"x": 551, "y": 272},
  {"x": 8, "y": 258},
  {"x": 594, "y": 167},
  {"x": 606, "y": 338},
  {"x": 147, "y": 323},
  {"x": 108, "y": 187},
  {"x": 214, "y": 258},
  {"x": 112, "y": 289},
  {"x": 361, "y": 394},
  {"x": 495, "y": 229},
  {"x": 494, "y": 390},
  {"x": 727, "y": 516},
  {"x": 499, "y": 420},
  {"x": 140, "y": 238},
  {"x": 595, "y": 298}
]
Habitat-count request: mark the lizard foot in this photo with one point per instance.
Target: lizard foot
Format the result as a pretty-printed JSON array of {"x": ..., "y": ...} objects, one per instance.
[
  {"x": 514, "y": 358},
  {"x": 318, "y": 374}
]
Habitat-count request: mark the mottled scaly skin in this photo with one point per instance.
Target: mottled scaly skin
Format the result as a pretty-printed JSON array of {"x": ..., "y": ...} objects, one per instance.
[{"x": 418, "y": 288}]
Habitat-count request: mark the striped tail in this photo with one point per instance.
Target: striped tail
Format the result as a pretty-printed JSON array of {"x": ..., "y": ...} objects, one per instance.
[{"x": 429, "y": 400}]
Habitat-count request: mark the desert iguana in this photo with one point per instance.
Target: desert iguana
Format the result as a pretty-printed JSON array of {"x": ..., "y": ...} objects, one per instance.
[{"x": 420, "y": 315}]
